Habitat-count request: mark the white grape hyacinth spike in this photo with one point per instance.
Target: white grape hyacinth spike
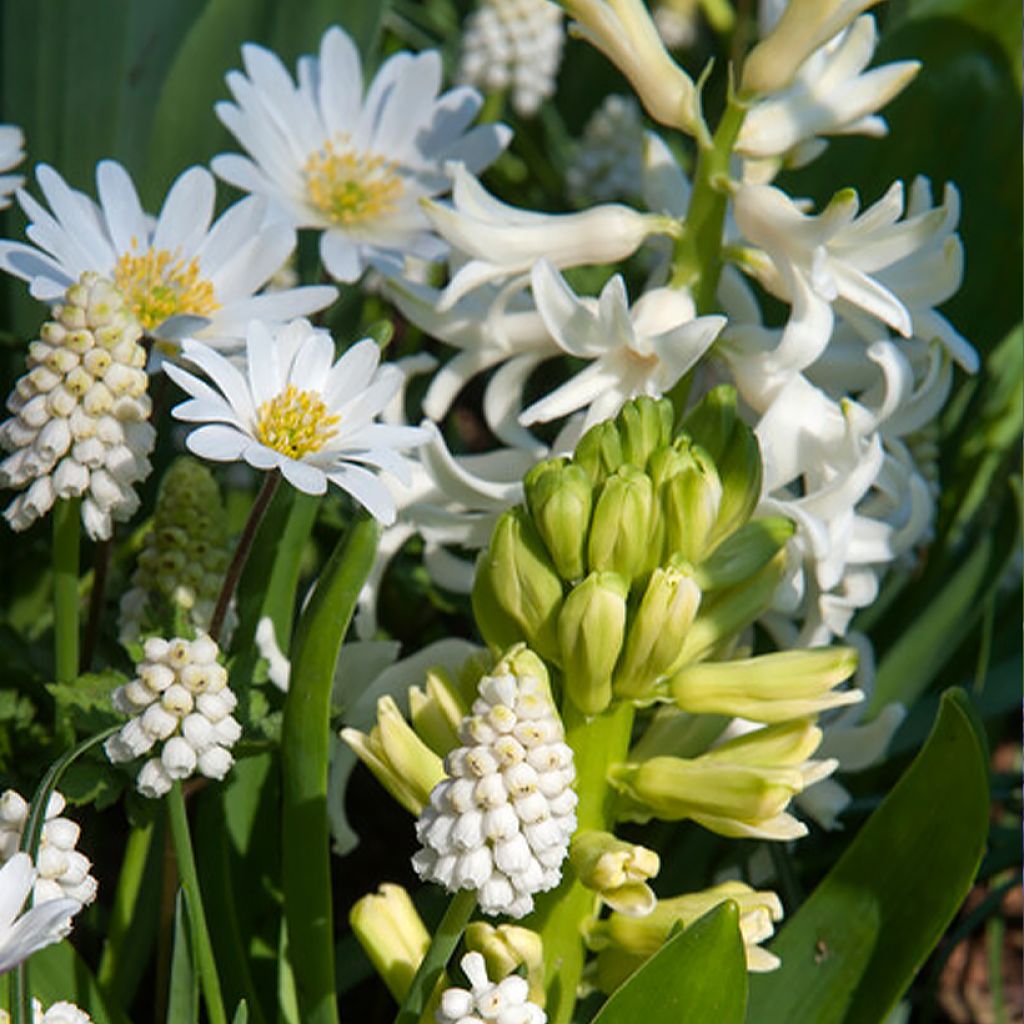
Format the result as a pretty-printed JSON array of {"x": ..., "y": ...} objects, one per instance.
[{"x": 501, "y": 822}]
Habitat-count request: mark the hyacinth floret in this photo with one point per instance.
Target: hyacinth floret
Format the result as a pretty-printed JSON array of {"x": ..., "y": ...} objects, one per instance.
[
  {"x": 486, "y": 1002},
  {"x": 184, "y": 555},
  {"x": 500, "y": 822},
  {"x": 80, "y": 426},
  {"x": 61, "y": 871},
  {"x": 181, "y": 702}
]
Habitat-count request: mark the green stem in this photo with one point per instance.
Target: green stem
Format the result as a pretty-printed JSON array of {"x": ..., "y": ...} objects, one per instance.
[
  {"x": 66, "y": 533},
  {"x": 698, "y": 254},
  {"x": 305, "y": 747},
  {"x": 442, "y": 945},
  {"x": 597, "y": 743},
  {"x": 178, "y": 820}
]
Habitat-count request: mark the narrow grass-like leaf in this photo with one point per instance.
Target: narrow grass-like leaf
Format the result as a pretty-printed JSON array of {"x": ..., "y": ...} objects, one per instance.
[{"x": 183, "y": 990}]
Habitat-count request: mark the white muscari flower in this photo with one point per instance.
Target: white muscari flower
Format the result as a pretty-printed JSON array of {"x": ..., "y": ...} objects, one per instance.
[
  {"x": 298, "y": 411},
  {"x": 830, "y": 95},
  {"x": 180, "y": 702},
  {"x": 353, "y": 166},
  {"x": 514, "y": 45},
  {"x": 12, "y": 152},
  {"x": 181, "y": 273},
  {"x": 61, "y": 871},
  {"x": 500, "y": 822},
  {"x": 643, "y": 351},
  {"x": 58, "y": 1013},
  {"x": 503, "y": 241},
  {"x": 608, "y": 162},
  {"x": 676, "y": 21},
  {"x": 80, "y": 426},
  {"x": 21, "y": 934},
  {"x": 486, "y": 1002}
]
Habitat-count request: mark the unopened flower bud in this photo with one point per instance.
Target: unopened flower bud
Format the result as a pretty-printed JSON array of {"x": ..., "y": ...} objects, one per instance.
[
  {"x": 644, "y": 425},
  {"x": 744, "y": 553},
  {"x": 599, "y": 451},
  {"x": 392, "y": 934},
  {"x": 559, "y": 495},
  {"x": 621, "y": 527},
  {"x": 654, "y": 640},
  {"x": 618, "y": 871},
  {"x": 506, "y": 948},
  {"x": 591, "y": 627},
  {"x": 436, "y": 711}
]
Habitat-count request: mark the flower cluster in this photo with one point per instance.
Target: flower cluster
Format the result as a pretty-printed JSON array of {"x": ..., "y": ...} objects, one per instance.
[
  {"x": 184, "y": 554},
  {"x": 500, "y": 822},
  {"x": 61, "y": 871},
  {"x": 608, "y": 163},
  {"x": 180, "y": 699},
  {"x": 487, "y": 1002},
  {"x": 79, "y": 428},
  {"x": 514, "y": 45}
]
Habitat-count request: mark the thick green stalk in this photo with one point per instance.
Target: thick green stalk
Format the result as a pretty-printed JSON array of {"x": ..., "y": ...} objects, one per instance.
[
  {"x": 698, "y": 255},
  {"x": 66, "y": 533},
  {"x": 206, "y": 965},
  {"x": 442, "y": 945},
  {"x": 305, "y": 745},
  {"x": 597, "y": 744}
]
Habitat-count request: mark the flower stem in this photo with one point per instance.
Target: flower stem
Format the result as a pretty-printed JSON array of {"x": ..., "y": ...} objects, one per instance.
[
  {"x": 66, "y": 533},
  {"x": 178, "y": 820},
  {"x": 305, "y": 746},
  {"x": 433, "y": 964},
  {"x": 252, "y": 525},
  {"x": 97, "y": 597},
  {"x": 597, "y": 743}
]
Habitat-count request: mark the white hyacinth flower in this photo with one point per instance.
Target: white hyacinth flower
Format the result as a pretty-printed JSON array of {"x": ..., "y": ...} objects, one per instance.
[
  {"x": 80, "y": 426},
  {"x": 21, "y": 934},
  {"x": 181, "y": 273},
  {"x": 354, "y": 166},
  {"x": 12, "y": 152},
  {"x": 58, "y": 1013},
  {"x": 61, "y": 871},
  {"x": 503, "y": 241},
  {"x": 831, "y": 95},
  {"x": 643, "y": 351},
  {"x": 296, "y": 412},
  {"x": 486, "y": 1002},
  {"x": 180, "y": 702},
  {"x": 608, "y": 162},
  {"x": 500, "y": 823},
  {"x": 514, "y": 45}
]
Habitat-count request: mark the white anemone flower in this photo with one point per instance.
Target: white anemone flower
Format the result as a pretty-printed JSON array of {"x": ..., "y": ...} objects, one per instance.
[
  {"x": 12, "y": 152},
  {"x": 353, "y": 166},
  {"x": 296, "y": 412},
  {"x": 643, "y": 351},
  {"x": 21, "y": 934},
  {"x": 503, "y": 241},
  {"x": 831, "y": 95},
  {"x": 181, "y": 274}
]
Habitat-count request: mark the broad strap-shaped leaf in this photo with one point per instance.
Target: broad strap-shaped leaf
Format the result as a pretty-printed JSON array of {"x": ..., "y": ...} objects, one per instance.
[
  {"x": 852, "y": 949},
  {"x": 698, "y": 976}
]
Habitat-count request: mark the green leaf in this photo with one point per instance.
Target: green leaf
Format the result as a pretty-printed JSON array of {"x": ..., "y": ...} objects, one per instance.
[
  {"x": 86, "y": 701},
  {"x": 699, "y": 975},
  {"x": 241, "y": 1014},
  {"x": 852, "y": 949},
  {"x": 183, "y": 990}
]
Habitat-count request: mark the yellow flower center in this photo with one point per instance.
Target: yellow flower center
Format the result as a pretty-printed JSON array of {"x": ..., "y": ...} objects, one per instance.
[
  {"x": 158, "y": 284},
  {"x": 295, "y": 423},
  {"x": 350, "y": 187}
]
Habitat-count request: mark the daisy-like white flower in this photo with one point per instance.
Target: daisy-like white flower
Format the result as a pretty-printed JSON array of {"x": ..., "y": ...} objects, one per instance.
[
  {"x": 639, "y": 352},
  {"x": 296, "y": 412},
  {"x": 180, "y": 274},
  {"x": 354, "y": 166},
  {"x": 12, "y": 152},
  {"x": 21, "y": 934}
]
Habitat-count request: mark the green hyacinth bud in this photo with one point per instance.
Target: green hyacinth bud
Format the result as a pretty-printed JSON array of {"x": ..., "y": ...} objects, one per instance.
[
  {"x": 436, "y": 711},
  {"x": 690, "y": 501},
  {"x": 390, "y": 930},
  {"x": 599, "y": 451},
  {"x": 644, "y": 425},
  {"x": 620, "y": 533},
  {"x": 559, "y": 495},
  {"x": 744, "y": 553},
  {"x": 657, "y": 630},
  {"x": 517, "y": 592},
  {"x": 591, "y": 626},
  {"x": 618, "y": 871}
]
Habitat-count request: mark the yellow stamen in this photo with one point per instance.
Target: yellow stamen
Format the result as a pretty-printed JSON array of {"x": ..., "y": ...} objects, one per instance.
[
  {"x": 350, "y": 187},
  {"x": 158, "y": 284},
  {"x": 295, "y": 423}
]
